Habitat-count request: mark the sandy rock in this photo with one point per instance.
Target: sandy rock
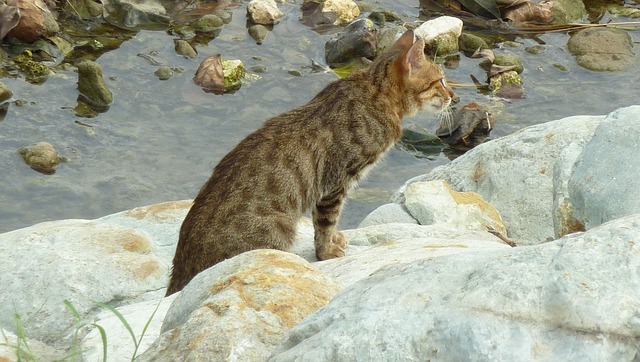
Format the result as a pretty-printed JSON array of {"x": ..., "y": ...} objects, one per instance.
[
  {"x": 264, "y": 12},
  {"x": 41, "y": 156},
  {"x": 346, "y": 10},
  {"x": 239, "y": 309},
  {"x": 434, "y": 202}
]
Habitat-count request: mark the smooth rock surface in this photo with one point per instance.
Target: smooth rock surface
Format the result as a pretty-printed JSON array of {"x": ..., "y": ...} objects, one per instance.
[
  {"x": 605, "y": 182},
  {"x": 548, "y": 302}
]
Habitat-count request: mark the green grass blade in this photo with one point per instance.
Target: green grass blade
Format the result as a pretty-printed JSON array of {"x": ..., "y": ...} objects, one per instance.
[
  {"x": 144, "y": 330},
  {"x": 122, "y": 320},
  {"x": 103, "y": 335}
]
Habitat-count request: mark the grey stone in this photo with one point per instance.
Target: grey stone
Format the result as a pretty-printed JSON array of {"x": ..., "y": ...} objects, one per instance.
[
  {"x": 604, "y": 184},
  {"x": 91, "y": 84},
  {"x": 388, "y": 213},
  {"x": 547, "y": 302},
  {"x": 602, "y": 49},
  {"x": 515, "y": 174},
  {"x": 264, "y": 12}
]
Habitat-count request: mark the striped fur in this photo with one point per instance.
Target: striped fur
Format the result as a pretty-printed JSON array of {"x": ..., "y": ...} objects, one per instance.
[{"x": 306, "y": 159}]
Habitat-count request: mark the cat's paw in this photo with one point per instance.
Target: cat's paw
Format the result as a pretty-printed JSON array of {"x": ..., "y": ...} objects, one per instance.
[{"x": 332, "y": 249}]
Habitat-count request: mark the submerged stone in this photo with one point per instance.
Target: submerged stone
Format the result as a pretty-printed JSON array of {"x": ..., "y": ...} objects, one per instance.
[
  {"x": 602, "y": 49},
  {"x": 41, "y": 156},
  {"x": 91, "y": 84}
]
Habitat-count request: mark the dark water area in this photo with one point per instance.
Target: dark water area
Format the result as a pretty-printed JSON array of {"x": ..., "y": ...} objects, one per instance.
[{"x": 160, "y": 139}]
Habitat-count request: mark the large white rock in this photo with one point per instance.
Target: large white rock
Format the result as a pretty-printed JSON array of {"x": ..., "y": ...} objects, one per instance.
[
  {"x": 440, "y": 34},
  {"x": 346, "y": 10},
  {"x": 577, "y": 299},
  {"x": 239, "y": 309},
  {"x": 515, "y": 174},
  {"x": 116, "y": 260}
]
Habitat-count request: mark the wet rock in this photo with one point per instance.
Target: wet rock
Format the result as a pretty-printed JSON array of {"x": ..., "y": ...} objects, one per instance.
[
  {"x": 185, "y": 49},
  {"x": 535, "y": 49},
  {"x": 136, "y": 14},
  {"x": 387, "y": 36},
  {"x": 240, "y": 308},
  {"x": 504, "y": 60},
  {"x": 41, "y": 156},
  {"x": 258, "y": 32},
  {"x": 357, "y": 40},
  {"x": 91, "y": 85},
  {"x": 440, "y": 35},
  {"x": 604, "y": 182},
  {"x": 264, "y": 12},
  {"x": 568, "y": 11},
  {"x": 35, "y": 20},
  {"x": 602, "y": 49},
  {"x": 226, "y": 16},
  {"x": 5, "y": 93},
  {"x": 540, "y": 13},
  {"x": 208, "y": 23},
  {"x": 507, "y": 85},
  {"x": 84, "y": 9},
  {"x": 469, "y": 43},
  {"x": 163, "y": 73},
  {"x": 10, "y": 16}
]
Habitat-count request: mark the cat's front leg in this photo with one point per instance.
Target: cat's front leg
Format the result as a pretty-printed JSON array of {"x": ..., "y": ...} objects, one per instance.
[{"x": 329, "y": 242}]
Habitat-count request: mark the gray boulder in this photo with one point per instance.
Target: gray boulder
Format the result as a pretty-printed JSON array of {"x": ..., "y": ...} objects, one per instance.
[
  {"x": 605, "y": 182},
  {"x": 602, "y": 49},
  {"x": 576, "y": 298},
  {"x": 515, "y": 174}
]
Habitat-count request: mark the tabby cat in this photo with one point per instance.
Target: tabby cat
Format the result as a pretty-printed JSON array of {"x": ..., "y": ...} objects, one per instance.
[{"x": 307, "y": 158}]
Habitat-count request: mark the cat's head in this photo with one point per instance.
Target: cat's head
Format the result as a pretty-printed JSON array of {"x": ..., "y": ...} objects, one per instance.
[{"x": 423, "y": 80}]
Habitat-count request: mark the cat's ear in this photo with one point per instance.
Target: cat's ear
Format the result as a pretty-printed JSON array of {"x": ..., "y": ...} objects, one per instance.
[
  {"x": 404, "y": 42},
  {"x": 415, "y": 56}
]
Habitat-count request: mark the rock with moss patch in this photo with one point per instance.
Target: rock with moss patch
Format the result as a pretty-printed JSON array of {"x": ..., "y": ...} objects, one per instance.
[
  {"x": 440, "y": 35},
  {"x": 208, "y": 23},
  {"x": 507, "y": 85},
  {"x": 41, "y": 156},
  {"x": 602, "y": 49},
  {"x": 163, "y": 73},
  {"x": 91, "y": 84},
  {"x": 469, "y": 43},
  {"x": 568, "y": 11},
  {"x": 234, "y": 72},
  {"x": 504, "y": 60}
]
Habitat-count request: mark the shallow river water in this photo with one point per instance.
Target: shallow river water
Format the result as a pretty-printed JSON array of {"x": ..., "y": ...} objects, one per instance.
[{"x": 160, "y": 139}]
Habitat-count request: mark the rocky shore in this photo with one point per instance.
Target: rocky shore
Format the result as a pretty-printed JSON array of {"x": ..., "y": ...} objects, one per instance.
[{"x": 428, "y": 276}]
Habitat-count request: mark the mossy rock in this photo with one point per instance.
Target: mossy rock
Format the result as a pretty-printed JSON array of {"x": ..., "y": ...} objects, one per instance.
[
  {"x": 469, "y": 43},
  {"x": 42, "y": 157},
  {"x": 91, "y": 84},
  {"x": 504, "y": 60}
]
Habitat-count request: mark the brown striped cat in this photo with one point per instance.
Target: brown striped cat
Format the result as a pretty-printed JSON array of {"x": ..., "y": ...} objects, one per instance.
[{"x": 307, "y": 158}]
